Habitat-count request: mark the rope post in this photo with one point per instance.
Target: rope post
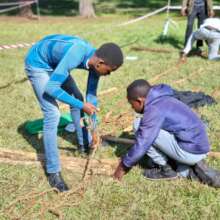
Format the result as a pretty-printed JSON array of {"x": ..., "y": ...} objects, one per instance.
[{"x": 168, "y": 8}]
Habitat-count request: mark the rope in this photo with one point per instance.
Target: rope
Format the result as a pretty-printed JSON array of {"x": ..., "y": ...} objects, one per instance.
[
  {"x": 13, "y": 3},
  {"x": 16, "y": 7},
  {"x": 142, "y": 17},
  {"x": 14, "y": 46},
  {"x": 22, "y": 45},
  {"x": 178, "y": 7}
]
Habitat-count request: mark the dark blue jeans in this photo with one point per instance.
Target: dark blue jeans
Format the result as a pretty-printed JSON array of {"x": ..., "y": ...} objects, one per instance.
[{"x": 200, "y": 14}]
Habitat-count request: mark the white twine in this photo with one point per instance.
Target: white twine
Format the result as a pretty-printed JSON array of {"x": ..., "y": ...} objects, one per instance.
[
  {"x": 178, "y": 7},
  {"x": 18, "y": 6},
  {"x": 142, "y": 17},
  {"x": 22, "y": 45},
  {"x": 13, "y": 3},
  {"x": 109, "y": 29},
  {"x": 14, "y": 46}
]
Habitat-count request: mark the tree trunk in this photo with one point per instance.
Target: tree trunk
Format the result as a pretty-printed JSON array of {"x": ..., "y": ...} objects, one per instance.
[
  {"x": 86, "y": 9},
  {"x": 25, "y": 11}
]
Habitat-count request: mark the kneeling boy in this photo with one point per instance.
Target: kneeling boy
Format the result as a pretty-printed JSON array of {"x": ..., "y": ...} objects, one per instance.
[{"x": 168, "y": 129}]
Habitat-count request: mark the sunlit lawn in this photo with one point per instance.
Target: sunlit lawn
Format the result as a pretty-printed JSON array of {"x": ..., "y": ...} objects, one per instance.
[{"x": 102, "y": 198}]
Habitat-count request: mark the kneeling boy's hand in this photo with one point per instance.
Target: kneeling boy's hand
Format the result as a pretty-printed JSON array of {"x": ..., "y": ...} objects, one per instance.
[
  {"x": 89, "y": 108},
  {"x": 120, "y": 171}
]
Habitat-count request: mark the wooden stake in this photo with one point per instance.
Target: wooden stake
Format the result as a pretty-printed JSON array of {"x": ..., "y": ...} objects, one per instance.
[{"x": 118, "y": 140}]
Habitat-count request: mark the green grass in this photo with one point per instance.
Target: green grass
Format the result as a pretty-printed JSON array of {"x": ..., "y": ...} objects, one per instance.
[{"x": 134, "y": 197}]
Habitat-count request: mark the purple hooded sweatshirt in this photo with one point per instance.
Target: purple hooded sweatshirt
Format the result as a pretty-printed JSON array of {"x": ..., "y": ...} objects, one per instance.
[{"x": 162, "y": 111}]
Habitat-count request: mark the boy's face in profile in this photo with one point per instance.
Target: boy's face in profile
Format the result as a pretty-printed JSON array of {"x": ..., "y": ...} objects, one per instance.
[
  {"x": 103, "y": 69},
  {"x": 137, "y": 105}
]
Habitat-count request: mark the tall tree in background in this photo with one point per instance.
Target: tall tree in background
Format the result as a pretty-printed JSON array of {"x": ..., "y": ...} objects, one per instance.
[
  {"x": 86, "y": 9},
  {"x": 25, "y": 11}
]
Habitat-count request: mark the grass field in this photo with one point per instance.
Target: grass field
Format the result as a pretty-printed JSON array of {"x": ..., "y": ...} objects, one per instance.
[{"x": 101, "y": 197}]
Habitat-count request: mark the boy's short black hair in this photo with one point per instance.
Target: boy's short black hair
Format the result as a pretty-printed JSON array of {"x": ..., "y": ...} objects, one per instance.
[
  {"x": 138, "y": 88},
  {"x": 111, "y": 54}
]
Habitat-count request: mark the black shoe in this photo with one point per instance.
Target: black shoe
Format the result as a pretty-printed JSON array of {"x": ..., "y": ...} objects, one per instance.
[
  {"x": 192, "y": 175},
  {"x": 83, "y": 149},
  {"x": 162, "y": 172},
  {"x": 198, "y": 51},
  {"x": 56, "y": 180},
  {"x": 207, "y": 174}
]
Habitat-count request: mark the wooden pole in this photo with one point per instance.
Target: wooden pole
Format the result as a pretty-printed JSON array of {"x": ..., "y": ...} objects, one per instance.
[
  {"x": 118, "y": 140},
  {"x": 129, "y": 141},
  {"x": 15, "y": 157}
]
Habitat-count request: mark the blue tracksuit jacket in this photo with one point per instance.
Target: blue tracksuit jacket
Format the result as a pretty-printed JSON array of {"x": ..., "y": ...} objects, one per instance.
[{"x": 59, "y": 54}]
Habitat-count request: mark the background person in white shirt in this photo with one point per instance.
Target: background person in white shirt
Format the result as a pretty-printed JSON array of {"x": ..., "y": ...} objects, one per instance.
[{"x": 210, "y": 32}]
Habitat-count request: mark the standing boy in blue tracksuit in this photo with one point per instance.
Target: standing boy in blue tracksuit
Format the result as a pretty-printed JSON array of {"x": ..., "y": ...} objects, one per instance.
[
  {"x": 168, "y": 129},
  {"x": 48, "y": 65}
]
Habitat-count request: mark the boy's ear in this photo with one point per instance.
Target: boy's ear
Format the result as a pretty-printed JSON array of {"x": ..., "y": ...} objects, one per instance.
[
  {"x": 99, "y": 62},
  {"x": 139, "y": 100}
]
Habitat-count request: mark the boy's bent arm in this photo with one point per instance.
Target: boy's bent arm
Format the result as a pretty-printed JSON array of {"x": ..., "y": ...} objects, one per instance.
[
  {"x": 71, "y": 60},
  {"x": 147, "y": 133}
]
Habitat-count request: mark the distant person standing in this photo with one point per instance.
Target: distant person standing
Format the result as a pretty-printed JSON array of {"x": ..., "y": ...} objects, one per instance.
[{"x": 200, "y": 9}]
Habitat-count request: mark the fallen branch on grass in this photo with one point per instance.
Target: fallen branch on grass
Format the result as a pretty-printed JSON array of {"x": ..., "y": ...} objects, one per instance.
[
  {"x": 129, "y": 141},
  {"x": 57, "y": 213},
  {"x": 107, "y": 117},
  {"x": 29, "y": 200},
  {"x": 128, "y": 129},
  {"x": 118, "y": 140},
  {"x": 156, "y": 50},
  {"x": 173, "y": 67},
  {"x": 102, "y": 93},
  {"x": 103, "y": 166},
  {"x": 30, "y": 196},
  {"x": 105, "y": 92},
  {"x": 179, "y": 81},
  {"x": 14, "y": 82},
  {"x": 214, "y": 154}
]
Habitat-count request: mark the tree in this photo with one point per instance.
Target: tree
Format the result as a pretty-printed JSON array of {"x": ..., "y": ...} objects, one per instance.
[
  {"x": 25, "y": 11},
  {"x": 86, "y": 9}
]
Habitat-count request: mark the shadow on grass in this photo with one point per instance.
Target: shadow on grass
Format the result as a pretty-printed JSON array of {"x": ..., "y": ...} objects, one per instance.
[
  {"x": 169, "y": 40},
  {"x": 36, "y": 140}
]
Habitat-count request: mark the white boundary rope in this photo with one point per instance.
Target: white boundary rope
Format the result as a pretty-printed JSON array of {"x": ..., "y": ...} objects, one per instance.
[
  {"x": 142, "y": 17},
  {"x": 178, "y": 7},
  {"x": 23, "y": 45},
  {"x": 13, "y": 3},
  {"x": 14, "y": 46},
  {"x": 17, "y": 6}
]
